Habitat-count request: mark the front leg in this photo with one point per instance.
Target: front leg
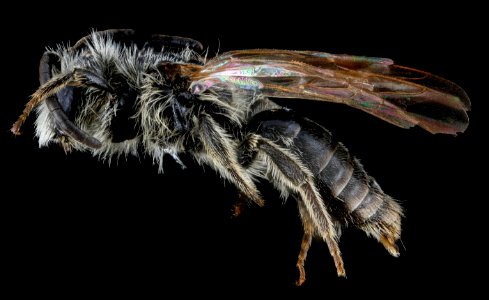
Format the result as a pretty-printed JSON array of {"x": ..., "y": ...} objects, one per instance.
[{"x": 289, "y": 175}]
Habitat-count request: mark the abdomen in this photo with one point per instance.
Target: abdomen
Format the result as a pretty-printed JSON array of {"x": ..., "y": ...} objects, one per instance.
[{"x": 350, "y": 194}]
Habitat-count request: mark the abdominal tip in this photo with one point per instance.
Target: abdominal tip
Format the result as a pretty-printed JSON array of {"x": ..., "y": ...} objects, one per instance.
[
  {"x": 390, "y": 246},
  {"x": 394, "y": 252}
]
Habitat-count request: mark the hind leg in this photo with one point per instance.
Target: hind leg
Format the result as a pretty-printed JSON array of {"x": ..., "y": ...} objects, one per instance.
[
  {"x": 306, "y": 242},
  {"x": 287, "y": 173}
]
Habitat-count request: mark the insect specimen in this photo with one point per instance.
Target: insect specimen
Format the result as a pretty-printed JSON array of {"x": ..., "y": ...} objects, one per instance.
[{"x": 119, "y": 92}]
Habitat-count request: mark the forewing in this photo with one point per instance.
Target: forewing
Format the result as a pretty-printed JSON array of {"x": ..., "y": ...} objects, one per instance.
[{"x": 399, "y": 95}]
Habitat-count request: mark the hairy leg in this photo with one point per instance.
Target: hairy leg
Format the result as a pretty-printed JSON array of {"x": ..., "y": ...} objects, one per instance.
[
  {"x": 287, "y": 173},
  {"x": 308, "y": 225},
  {"x": 219, "y": 151}
]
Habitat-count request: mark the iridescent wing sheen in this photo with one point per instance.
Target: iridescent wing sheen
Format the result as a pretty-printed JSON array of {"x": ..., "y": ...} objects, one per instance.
[{"x": 402, "y": 96}]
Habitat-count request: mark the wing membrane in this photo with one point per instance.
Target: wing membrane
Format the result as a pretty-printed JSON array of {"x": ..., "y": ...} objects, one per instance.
[{"x": 402, "y": 96}]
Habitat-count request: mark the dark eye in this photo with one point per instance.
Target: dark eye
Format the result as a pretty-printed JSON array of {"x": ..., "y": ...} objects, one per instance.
[{"x": 68, "y": 100}]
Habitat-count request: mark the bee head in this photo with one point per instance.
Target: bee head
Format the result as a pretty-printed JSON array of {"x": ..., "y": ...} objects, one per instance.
[{"x": 89, "y": 103}]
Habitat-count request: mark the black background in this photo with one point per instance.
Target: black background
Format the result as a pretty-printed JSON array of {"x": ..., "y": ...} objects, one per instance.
[{"x": 73, "y": 224}]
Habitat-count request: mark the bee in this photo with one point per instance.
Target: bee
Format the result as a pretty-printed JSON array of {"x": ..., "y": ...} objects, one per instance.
[{"x": 122, "y": 92}]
